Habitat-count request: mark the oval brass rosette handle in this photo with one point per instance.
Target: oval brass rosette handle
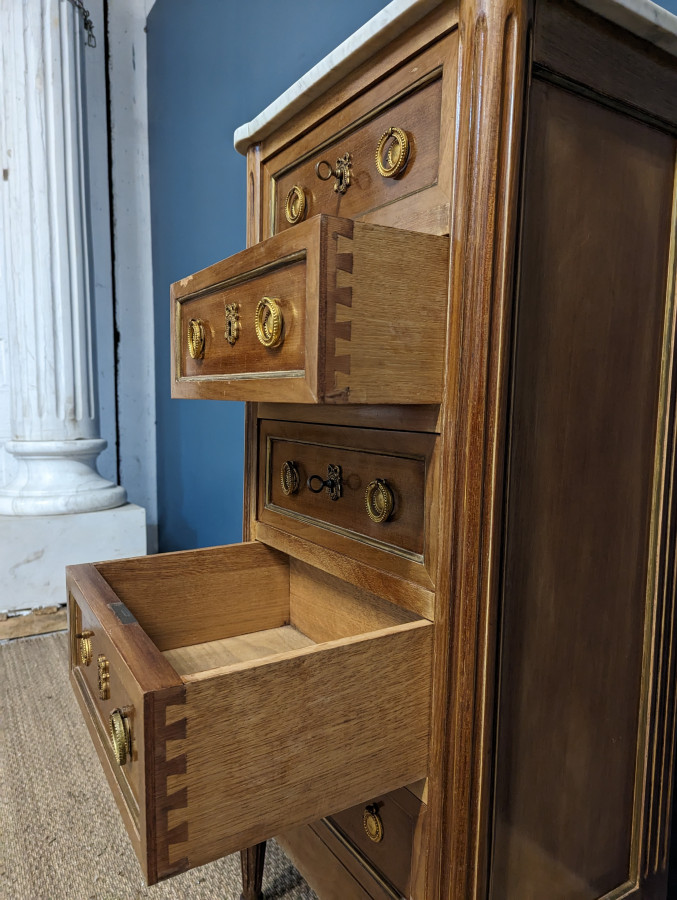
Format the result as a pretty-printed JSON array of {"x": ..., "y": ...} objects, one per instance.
[
  {"x": 295, "y": 205},
  {"x": 268, "y": 322},
  {"x": 196, "y": 339},
  {"x": 379, "y": 501},
  {"x": 289, "y": 478},
  {"x": 120, "y": 736},
  {"x": 392, "y": 161},
  {"x": 84, "y": 640},
  {"x": 373, "y": 824}
]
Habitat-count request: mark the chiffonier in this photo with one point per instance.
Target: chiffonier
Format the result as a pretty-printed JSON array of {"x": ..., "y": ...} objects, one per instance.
[{"x": 441, "y": 666}]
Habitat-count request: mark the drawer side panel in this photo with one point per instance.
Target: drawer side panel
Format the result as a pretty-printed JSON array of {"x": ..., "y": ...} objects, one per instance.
[{"x": 301, "y": 737}]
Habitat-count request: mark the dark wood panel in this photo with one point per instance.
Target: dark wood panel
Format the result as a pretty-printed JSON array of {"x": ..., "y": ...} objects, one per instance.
[
  {"x": 404, "y": 477},
  {"x": 576, "y": 43},
  {"x": 363, "y": 456},
  {"x": 589, "y": 335}
]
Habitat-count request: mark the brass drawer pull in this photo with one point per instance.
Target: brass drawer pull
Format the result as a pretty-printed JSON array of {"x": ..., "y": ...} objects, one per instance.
[
  {"x": 333, "y": 483},
  {"x": 268, "y": 322},
  {"x": 103, "y": 676},
  {"x": 341, "y": 173},
  {"x": 379, "y": 501},
  {"x": 120, "y": 736},
  {"x": 295, "y": 205},
  {"x": 196, "y": 339},
  {"x": 392, "y": 161},
  {"x": 84, "y": 647},
  {"x": 373, "y": 824},
  {"x": 289, "y": 478}
]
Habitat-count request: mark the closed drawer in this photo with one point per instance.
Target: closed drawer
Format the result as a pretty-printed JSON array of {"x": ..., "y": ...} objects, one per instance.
[
  {"x": 332, "y": 311},
  {"x": 365, "y": 492},
  {"x": 382, "y": 832},
  {"x": 390, "y": 157},
  {"x": 240, "y": 702}
]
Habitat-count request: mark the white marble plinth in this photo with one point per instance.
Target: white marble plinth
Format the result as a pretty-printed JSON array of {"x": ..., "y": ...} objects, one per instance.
[
  {"x": 34, "y": 550},
  {"x": 55, "y": 478}
]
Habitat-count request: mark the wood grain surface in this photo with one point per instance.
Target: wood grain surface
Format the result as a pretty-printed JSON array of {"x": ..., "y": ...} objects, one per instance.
[
  {"x": 294, "y": 737},
  {"x": 228, "y": 651},
  {"x": 195, "y": 596},
  {"x": 598, "y": 199}
]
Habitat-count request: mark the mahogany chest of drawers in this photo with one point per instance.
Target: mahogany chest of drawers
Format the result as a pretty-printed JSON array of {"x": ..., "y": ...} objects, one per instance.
[{"x": 441, "y": 664}]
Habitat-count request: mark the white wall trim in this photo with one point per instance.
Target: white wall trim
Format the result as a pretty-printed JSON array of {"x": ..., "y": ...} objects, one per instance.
[{"x": 133, "y": 270}]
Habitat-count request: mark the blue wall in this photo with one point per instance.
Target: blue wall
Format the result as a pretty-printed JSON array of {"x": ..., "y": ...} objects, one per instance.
[{"x": 212, "y": 65}]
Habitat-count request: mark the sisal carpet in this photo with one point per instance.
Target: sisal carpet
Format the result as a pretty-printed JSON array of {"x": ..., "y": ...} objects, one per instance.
[{"x": 61, "y": 836}]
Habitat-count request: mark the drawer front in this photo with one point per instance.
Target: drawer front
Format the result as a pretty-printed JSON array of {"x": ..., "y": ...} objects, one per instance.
[
  {"x": 382, "y": 831},
  {"x": 247, "y": 710},
  {"x": 380, "y": 509},
  {"x": 226, "y": 321},
  {"x": 417, "y": 114},
  {"x": 105, "y": 686},
  {"x": 321, "y": 313},
  {"x": 389, "y": 141}
]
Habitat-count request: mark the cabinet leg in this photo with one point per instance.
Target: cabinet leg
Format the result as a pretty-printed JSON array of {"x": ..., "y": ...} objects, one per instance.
[{"x": 252, "y": 860}]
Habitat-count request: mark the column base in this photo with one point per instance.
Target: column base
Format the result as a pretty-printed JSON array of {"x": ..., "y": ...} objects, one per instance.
[
  {"x": 34, "y": 550},
  {"x": 56, "y": 478}
]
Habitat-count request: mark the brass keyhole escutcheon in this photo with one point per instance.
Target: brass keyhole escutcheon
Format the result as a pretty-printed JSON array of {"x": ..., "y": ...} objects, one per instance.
[
  {"x": 341, "y": 173},
  {"x": 392, "y": 152},
  {"x": 289, "y": 478},
  {"x": 295, "y": 205},
  {"x": 232, "y": 332},
  {"x": 333, "y": 483},
  {"x": 84, "y": 645},
  {"x": 103, "y": 676},
  {"x": 268, "y": 322},
  {"x": 196, "y": 339},
  {"x": 120, "y": 736},
  {"x": 373, "y": 824},
  {"x": 379, "y": 501}
]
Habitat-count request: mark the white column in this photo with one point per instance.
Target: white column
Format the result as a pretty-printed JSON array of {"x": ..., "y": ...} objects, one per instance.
[{"x": 46, "y": 283}]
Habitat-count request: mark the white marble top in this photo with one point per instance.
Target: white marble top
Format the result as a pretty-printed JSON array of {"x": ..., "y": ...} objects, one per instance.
[{"x": 644, "y": 18}]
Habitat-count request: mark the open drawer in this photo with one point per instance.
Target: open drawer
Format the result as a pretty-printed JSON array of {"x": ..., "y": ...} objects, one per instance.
[
  {"x": 233, "y": 693},
  {"x": 331, "y": 311}
]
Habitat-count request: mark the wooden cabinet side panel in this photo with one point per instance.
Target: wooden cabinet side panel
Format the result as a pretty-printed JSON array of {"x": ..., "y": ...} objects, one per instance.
[{"x": 589, "y": 339}]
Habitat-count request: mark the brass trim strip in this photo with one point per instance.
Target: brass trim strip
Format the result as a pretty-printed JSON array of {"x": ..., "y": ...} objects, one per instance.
[
  {"x": 659, "y": 509},
  {"x": 245, "y": 376},
  {"x": 390, "y": 890}
]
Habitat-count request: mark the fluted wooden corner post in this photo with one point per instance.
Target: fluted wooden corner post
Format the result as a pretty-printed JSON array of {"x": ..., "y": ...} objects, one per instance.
[
  {"x": 253, "y": 858},
  {"x": 252, "y": 861},
  {"x": 493, "y": 50}
]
